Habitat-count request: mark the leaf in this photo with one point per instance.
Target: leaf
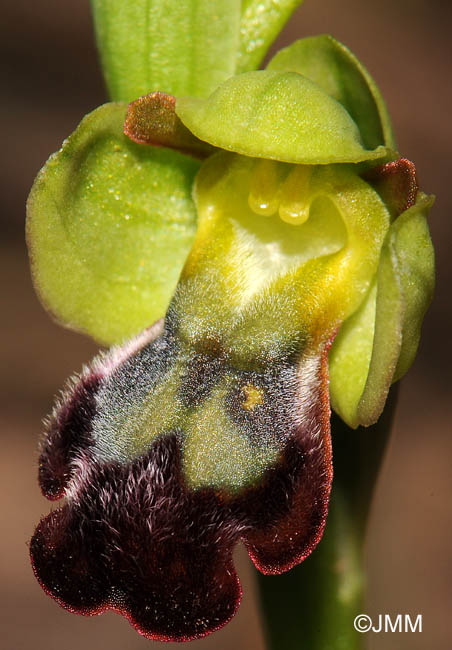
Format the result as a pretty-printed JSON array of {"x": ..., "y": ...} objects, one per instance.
[
  {"x": 279, "y": 115},
  {"x": 109, "y": 226},
  {"x": 335, "y": 69},
  {"x": 260, "y": 23},
  {"x": 361, "y": 373},
  {"x": 186, "y": 47}
]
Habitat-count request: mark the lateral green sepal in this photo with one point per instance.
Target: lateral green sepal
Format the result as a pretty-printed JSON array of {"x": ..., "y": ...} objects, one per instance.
[
  {"x": 377, "y": 345},
  {"x": 110, "y": 223}
]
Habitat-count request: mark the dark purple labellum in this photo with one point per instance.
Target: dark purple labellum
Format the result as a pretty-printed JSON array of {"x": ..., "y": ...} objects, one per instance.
[{"x": 134, "y": 535}]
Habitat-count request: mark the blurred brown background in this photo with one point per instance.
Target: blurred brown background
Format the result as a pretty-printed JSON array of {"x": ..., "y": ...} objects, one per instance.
[{"x": 50, "y": 79}]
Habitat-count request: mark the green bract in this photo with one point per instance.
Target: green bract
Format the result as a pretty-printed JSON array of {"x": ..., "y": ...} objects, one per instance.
[
  {"x": 186, "y": 47},
  {"x": 260, "y": 23}
]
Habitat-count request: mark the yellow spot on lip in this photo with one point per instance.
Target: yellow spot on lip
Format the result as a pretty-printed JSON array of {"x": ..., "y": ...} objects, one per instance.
[{"x": 253, "y": 397}]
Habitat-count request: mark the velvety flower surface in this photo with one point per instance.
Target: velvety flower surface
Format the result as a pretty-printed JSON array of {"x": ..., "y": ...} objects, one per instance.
[{"x": 151, "y": 534}]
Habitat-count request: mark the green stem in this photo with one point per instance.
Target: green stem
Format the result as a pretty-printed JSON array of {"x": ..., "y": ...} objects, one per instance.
[{"x": 312, "y": 607}]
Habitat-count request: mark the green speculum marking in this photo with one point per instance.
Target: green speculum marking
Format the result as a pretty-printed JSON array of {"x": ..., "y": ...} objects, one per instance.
[{"x": 283, "y": 254}]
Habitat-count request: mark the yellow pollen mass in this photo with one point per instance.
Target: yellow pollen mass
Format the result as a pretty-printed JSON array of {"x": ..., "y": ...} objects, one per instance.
[{"x": 253, "y": 397}]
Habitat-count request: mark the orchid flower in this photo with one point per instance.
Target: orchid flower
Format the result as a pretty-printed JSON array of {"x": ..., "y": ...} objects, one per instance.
[{"x": 264, "y": 221}]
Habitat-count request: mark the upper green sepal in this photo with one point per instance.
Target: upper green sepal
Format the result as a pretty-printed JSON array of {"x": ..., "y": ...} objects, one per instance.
[
  {"x": 110, "y": 223},
  {"x": 332, "y": 66},
  {"x": 377, "y": 345},
  {"x": 277, "y": 115}
]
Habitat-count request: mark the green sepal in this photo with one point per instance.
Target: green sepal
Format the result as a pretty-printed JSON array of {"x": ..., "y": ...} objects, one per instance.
[
  {"x": 186, "y": 47},
  {"x": 416, "y": 267},
  {"x": 377, "y": 345},
  {"x": 110, "y": 223},
  {"x": 260, "y": 23},
  {"x": 278, "y": 115},
  {"x": 332, "y": 66},
  {"x": 349, "y": 359}
]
